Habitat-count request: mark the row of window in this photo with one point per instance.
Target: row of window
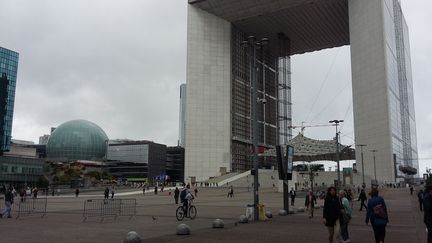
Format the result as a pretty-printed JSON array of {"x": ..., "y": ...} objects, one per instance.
[{"x": 14, "y": 169}]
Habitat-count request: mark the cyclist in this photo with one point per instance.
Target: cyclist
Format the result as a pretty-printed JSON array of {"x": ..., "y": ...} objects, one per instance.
[{"x": 185, "y": 198}]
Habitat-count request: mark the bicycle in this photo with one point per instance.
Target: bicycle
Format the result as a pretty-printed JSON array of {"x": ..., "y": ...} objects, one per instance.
[{"x": 181, "y": 214}]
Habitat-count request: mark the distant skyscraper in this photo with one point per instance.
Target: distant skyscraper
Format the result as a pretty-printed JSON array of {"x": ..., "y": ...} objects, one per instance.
[
  {"x": 182, "y": 116},
  {"x": 8, "y": 75}
]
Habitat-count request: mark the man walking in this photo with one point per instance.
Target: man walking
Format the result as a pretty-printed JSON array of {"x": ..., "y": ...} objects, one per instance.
[
  {"x": 362, "y": 198},
  {"x": 420, "y": 197},
  {"x": 427, "y": 204},
  {"x": 310, "y": 203},
  {"x": 176, "y": 195},
  {"x": 106, "y": 193},
  {"x": 293, "y": 195},
  {"x": 8, "y": 204}
]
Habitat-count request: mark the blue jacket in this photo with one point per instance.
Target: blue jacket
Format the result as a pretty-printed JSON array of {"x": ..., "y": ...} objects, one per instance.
[{"x": 372, "y": 202}]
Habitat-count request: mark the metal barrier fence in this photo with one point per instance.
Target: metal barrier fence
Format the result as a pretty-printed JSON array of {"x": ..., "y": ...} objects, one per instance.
[
  {"x": 32, "y": 206},
  {"x": 109, "y": 208}
]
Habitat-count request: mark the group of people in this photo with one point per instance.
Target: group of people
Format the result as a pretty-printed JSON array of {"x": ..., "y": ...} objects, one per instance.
[
  {"x": 107, "y": 193},
  {"x": 338, "y": 209}
]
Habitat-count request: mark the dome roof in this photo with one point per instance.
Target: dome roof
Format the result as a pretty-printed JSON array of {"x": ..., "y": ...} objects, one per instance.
[{"x": 77, "y": 140}]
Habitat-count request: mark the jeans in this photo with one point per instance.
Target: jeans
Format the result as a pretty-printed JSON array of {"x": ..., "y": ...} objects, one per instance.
[
  {"x": 379, "y": 232},
  {"x": 7, "y": 209},
  {"x": 344, "y": 231}
]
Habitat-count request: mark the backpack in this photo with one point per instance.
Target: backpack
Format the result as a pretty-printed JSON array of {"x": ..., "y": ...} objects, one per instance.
[
  {"x": 379, "y": 211},
  {"x": 183, "y": 195}
]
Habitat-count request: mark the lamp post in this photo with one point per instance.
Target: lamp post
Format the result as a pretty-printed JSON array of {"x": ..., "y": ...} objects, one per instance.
[
  {"x": 336, "y": 123},
  {"x": 253, "y": 45},
  {"x": 361, "y": 149},
  {"x": 374, "y": 151}
]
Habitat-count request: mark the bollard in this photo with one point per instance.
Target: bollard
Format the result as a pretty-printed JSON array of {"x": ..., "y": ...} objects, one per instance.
[
  {"x": 269, "y": 214},
  {"x": 218, "y": 223},
  {"x": 243, "y": 219},
  {"x": 283, "y": 212},
  {"x": 183, "y": 229},
  {"x": 132, "y": 237}
]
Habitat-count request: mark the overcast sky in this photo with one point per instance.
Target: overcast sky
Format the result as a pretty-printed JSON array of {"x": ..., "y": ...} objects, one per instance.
[{"x": 119, "y": 64}]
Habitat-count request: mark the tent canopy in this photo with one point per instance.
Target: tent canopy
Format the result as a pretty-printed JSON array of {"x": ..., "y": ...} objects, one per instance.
[{"x": 309, "y": 150}]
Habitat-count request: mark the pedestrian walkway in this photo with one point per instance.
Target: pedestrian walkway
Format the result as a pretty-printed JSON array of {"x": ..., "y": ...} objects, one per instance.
[{"x": 156, "y": 222}]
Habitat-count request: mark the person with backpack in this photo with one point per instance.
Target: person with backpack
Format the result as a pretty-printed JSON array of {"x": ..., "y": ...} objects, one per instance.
[
  {"x": 185, "y": 197},
  {"x": 346, "y": 211},
  {"x": 377, "y": 215},
  {"x": 420, "y": 197}
]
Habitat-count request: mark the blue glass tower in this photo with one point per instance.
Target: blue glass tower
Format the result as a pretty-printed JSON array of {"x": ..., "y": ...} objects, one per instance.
[{"x": 8, "y": 75}]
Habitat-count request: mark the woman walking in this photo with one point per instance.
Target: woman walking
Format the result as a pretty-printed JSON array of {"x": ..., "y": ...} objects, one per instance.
[
  {"x": 331, "y": 214},
  {"x": 377, "y": 215},
  {"x": 346, "y": 211}
]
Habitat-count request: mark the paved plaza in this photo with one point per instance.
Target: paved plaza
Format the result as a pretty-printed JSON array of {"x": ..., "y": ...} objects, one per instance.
[{"x": 156, "y": 222}]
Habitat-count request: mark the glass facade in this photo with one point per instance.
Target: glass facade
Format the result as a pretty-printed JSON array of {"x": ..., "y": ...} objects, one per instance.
[
  {"x": 273, "y": 105},
  {"x": 401, "y": 98},
  {"x": 8, "y": 76},
  {"x": 136, "y": 153},
  {"x": 17, "y": 169},
  {"x": 77, "y": 140}
]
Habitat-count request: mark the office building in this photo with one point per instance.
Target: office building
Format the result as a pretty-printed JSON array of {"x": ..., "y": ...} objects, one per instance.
[
  {"x": 8, "y": 78},
  {"x": 221, "y": 65}
]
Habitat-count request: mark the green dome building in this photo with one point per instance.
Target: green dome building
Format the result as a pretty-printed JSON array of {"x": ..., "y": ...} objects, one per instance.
[{"x": 77, "y": 140}]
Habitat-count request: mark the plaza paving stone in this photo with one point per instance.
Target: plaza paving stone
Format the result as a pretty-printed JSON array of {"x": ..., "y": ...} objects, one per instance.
[{"x": 155, "y": 221}]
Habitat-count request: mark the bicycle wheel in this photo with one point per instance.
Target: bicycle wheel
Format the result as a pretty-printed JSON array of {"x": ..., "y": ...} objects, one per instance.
[
  {"x": 180, "y": 213},
  {"x": 192, "y": 212}
]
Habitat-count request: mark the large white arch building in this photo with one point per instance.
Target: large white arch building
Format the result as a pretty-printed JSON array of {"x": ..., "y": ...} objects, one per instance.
[{"x": 218, "y": 77}]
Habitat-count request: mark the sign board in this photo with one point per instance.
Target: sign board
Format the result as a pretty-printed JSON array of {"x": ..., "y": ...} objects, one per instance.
[{"x": 289, "y": 161}]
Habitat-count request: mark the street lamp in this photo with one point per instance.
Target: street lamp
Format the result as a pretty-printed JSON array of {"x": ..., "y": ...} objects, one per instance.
[
  {"x": 374, "y": 151},
  {"x": 336, "y": 123},
  {"x": 253, "y": 45},
  {"x": 361, "y": 148}
]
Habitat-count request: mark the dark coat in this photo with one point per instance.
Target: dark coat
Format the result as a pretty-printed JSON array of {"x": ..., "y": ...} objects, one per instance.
[
  {"x": 312, "y": 203},
  {"x": 362, "y": 196},
  {"x": 176, "y": 193},
  {"x": 427, "y": 208},
  {"x": 332, "y": 210}
]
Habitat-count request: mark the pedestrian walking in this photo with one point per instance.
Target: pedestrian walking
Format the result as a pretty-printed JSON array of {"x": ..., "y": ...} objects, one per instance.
[
  {"x": 362, "y": 198},
  {"x": 345, "y": 218},
  {"x": 293, "y": 195},
  {"x": 196, "y": 191},
  {"x": 76, "y": 192},
  {"x": 427, "y": 204},
  {"x": 8, "y": 204},
  {"x": 310, "y": 203},
  {"x": 106, "y": 193},
  {"x": 112, "y": 193},
  {"x": 156, "y": 190},
  {"x": 144, "y": 190},
  {"x": 176, "y": 195},
  {"x": 420, "y": 197},
  {"x": 377, "y": 215},
  {"x": 35, "y": 192},
  {"x": 331, "y": 215},
  {"x": 411, "y": 189},
  {"x": 231, "y": 192}
]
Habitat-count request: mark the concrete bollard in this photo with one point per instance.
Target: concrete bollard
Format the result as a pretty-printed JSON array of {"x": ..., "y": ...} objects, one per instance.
[
  {"x": 243, "y": 219},
  {"x": 269, "y": 214},
  {"x": 132, "y": 237},
  {"x": 183, "y": 229},
  {"x": 218, "y": 223},
  {"x": 283, "y": 212}
]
